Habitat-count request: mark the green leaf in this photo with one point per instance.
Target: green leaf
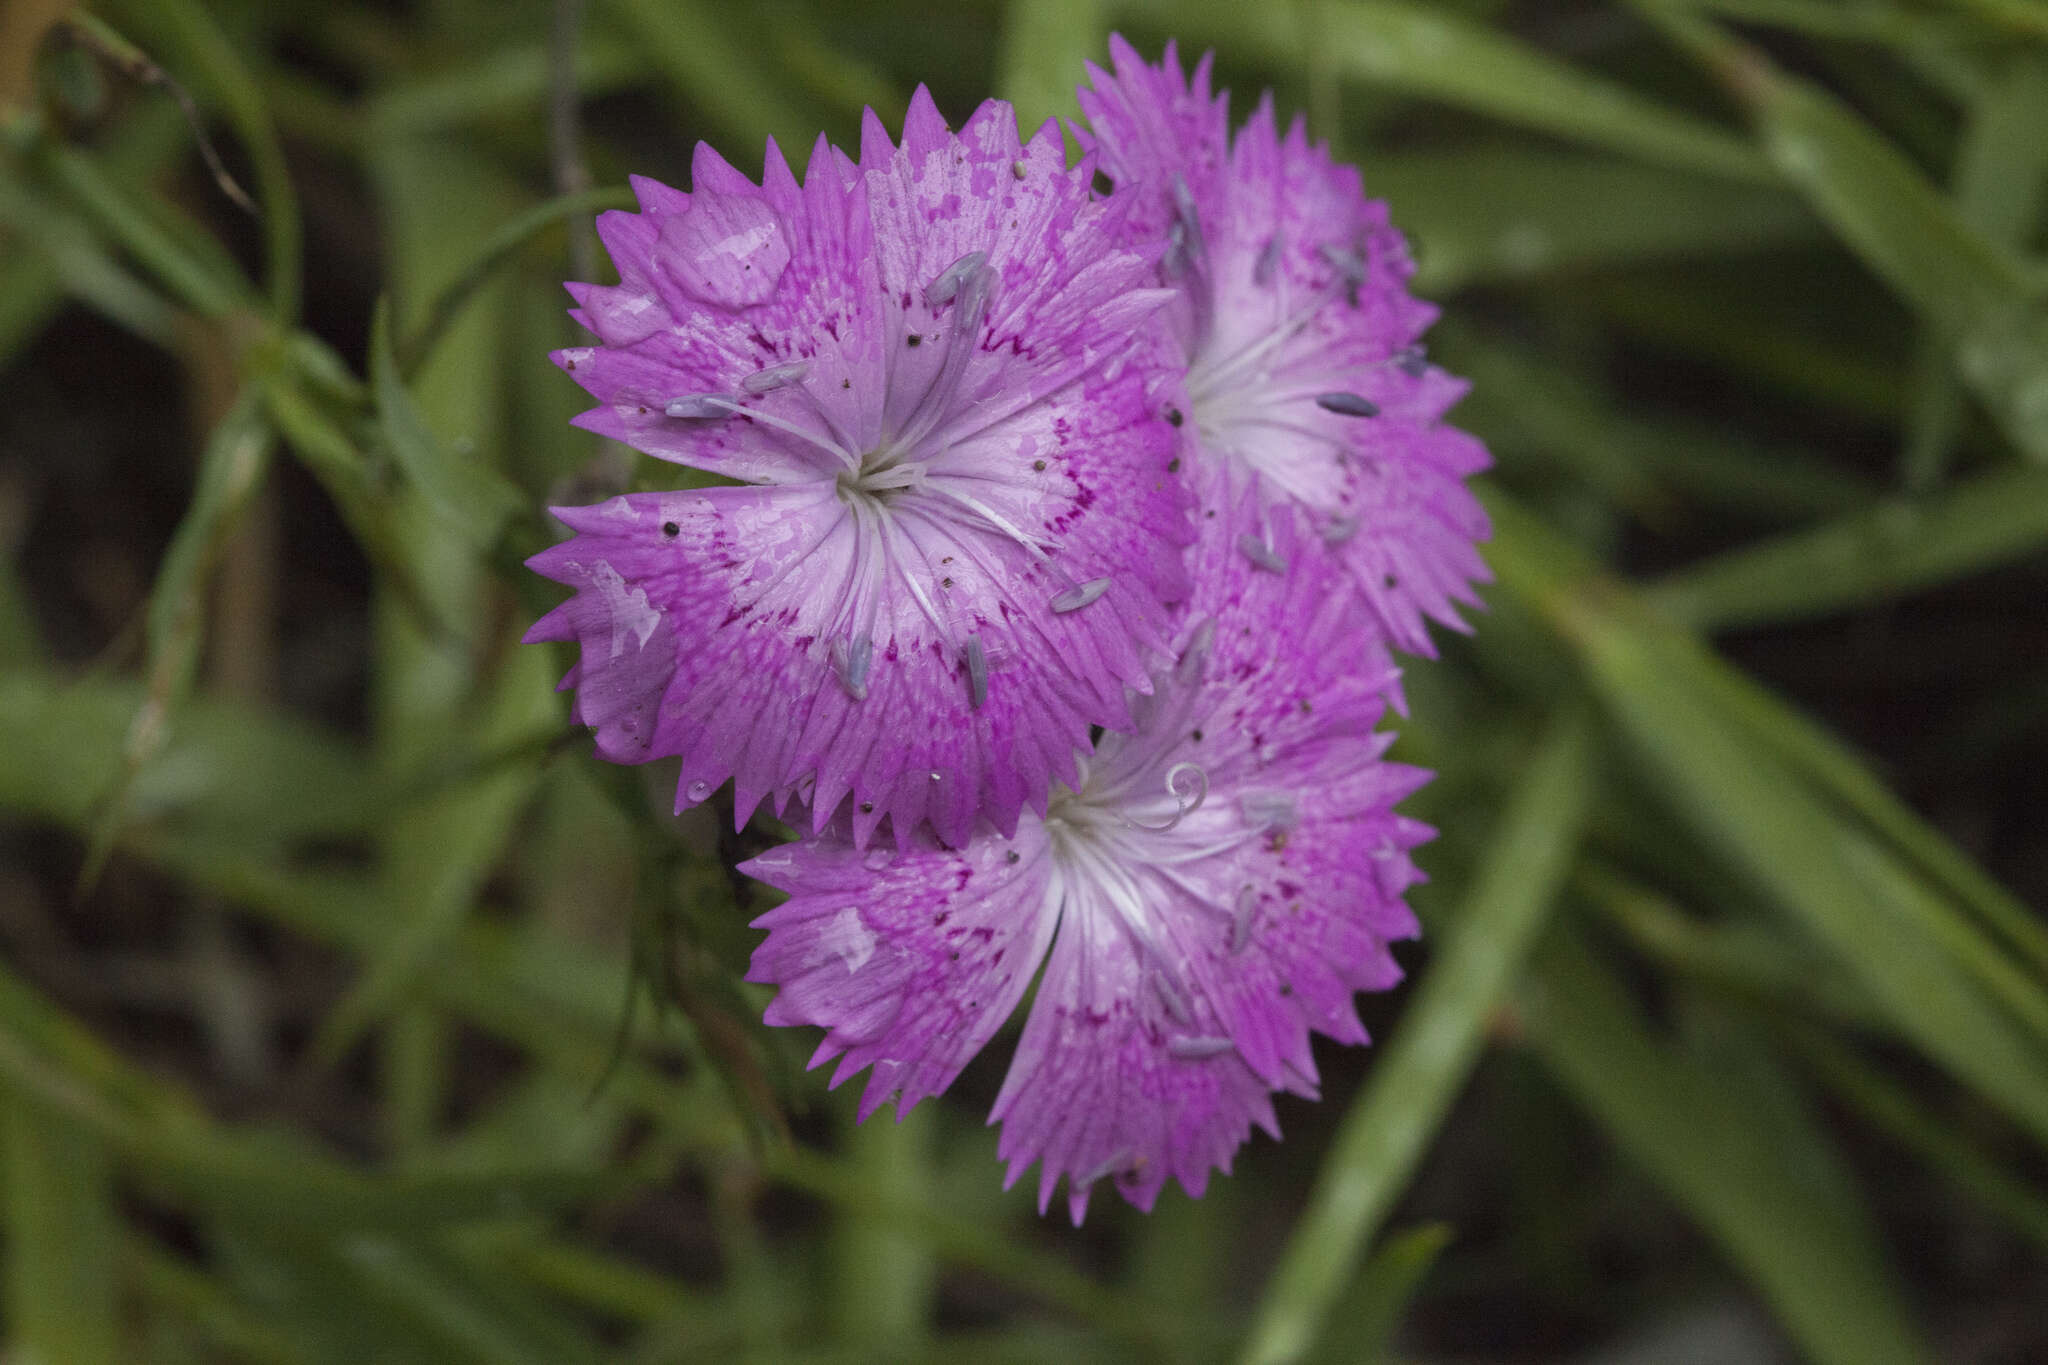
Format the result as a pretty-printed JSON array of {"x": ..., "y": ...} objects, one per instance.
[
  {"x": 1869, "y": 556},
  {"x": 1733, "y": 1146},
  {"x": 713, "y": 65},
  {"x": 1421, "y": 1072},
  {"x": 1506, "y": 211},
  {"x": 466, "y": 494},
  {"x": 62, "y": 1231},
  {"x": 1044, "y": 44},
  {"x": 231, "y": 469},
  {"x": 1972, "y": 291},
  {"x": 496, "y": 250},
  {"x": 1363, "y": 1323},
  {"x": 1438, "y": 55}
]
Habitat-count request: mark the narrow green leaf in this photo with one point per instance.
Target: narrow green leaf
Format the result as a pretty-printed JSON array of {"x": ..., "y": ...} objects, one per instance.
[
  {"x": 2001, "y": 175},
  {"x": 1969, "y": 289},
  {"x": 1724, "y": 1141},
  {"x": 714, "y": 67},
  {"x": 231, "y": 469},
  {"x": 1439, "y": 55},
  {"x": 211, "y": 62},
  {"x": 1363, "y": 1323},
  {"x": 1422, "y": 1071},
  {"x": 497, "y": 249},
  {"x": 1043, "y": 46},
  {"x": 1512, "y": 212},
  {"x": 466, "y": 494},
  {"x": 1868, "y": 556},
  {"x": 62, "y": 1235}
]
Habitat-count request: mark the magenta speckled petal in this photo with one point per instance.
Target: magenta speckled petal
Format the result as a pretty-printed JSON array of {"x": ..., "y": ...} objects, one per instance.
[
  {"x": 964, "y": 532},
  {"x": 1214, "y": 886},
  {"x": 1296, "y": 339}
]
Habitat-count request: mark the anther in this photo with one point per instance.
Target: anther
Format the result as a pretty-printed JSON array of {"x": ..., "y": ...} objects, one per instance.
[
  {"x": 1348, "y": 264},
  {"x": 1171, "y": 997},
  {"x": 775, "y": 377},
  {"x": 1270, "y": 811},
  {"x": 947, "y": 285},
  {"x": 700, "y": 406},
  {"x": 1073, "y": 599},
  {"x": 1241, "y": 924},
  {"x": 1197, "y": 1049},
  {"x": 1411, "y": 360},
  {"x": 977, "y": 672},
  {"x": 1339, "y": 529},
  {"x": 850, "y": 661},
  {"x": 1195, "y": 658},
  {"x": 1261, "y": 554},
  {"x": 1347, "y": 405},
  {"x": 1184, "y": 213},
  {"x": 1269, "y": 262}
]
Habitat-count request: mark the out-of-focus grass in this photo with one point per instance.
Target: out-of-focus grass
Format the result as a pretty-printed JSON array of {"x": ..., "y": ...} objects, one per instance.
[{"x": 1753, "y": 300}]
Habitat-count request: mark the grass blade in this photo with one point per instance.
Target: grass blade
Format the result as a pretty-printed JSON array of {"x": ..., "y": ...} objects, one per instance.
[
  {"x": 1438, "y": 55},
  {"x": 1733, "y": 1147},
  {"x": 1421, "y": 1072}
]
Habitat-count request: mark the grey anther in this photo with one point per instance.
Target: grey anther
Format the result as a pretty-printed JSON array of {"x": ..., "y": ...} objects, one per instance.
[
  {"x": 1186, "y": 217},
  {"x": 1260, "y": 553},
  {"x": 947, "y": 285},
  {"x": 700, "y": 406},
  {"x": 1196, "y": 1049},
  {"x": 1174, "y": 263},
  {"x": 1268, "y": 263},
  {"x": 851, "y": 662},
  {"x": 1075, "y": 598},
  {"x": 1340, "y": 529},
  {"x": 1347, "y": 405},
  {"x": 1349, "y": 265},
  {"x": 1270, "y": 810},
  {"x": 1194, "y": 660},
  {"x": 977, "y": 672},
  {"x": 775, "y": 377},
  {"x": 1411, "y": 360}
]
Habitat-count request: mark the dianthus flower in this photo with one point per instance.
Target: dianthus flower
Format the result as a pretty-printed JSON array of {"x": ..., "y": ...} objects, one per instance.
[
  {"x": 954, "y": 535},
  {"x": 1296, "y": 340},
  {"x": 1213, "y": 886}
]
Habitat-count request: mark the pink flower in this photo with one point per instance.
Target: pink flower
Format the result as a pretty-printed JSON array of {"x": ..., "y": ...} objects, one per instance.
[
  {"x": 1295, "y": 340},
  {"x": 1212, "y": 887},
  {"x": 954, "y": 535}
]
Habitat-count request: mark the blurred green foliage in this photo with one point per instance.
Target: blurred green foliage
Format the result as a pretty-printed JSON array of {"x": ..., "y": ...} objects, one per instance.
[{"x": 1754, "y": 300}]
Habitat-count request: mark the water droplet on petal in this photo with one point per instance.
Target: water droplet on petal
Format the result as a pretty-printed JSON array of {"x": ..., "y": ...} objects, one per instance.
[
  {"x": 877, "y": 859},
  {"x": 697, "y": 790}
]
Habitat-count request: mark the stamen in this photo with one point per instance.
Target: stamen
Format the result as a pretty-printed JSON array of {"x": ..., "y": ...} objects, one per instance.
[
  {"x": 1184, "y": 212},
  {"x": 1270, "y": 810},
  {"x": 1347, "y": 405},
  {"x": 1349, "y": 265},
  {"x": 1241, "y": 925},
  {"x": 1073, "y": 599},
  {"x": 1340, "y": 529},
  {"x": 942, "y": 289},
  {"x": 1261, "y": 554},
  {"x": 1411, "y": 360},
  {"x": 775, "y": 377},
  {"x": 1195, "y": 658},
  {"x": 697, "y": 407},
  {"x": 1173, "y": 265},
  {"x": 1268, "y": 262},
  {"x": 977, "y": 672},
  {"x": 1170, "y": 996},
  {"x": 851, "y": 662},
  {"x": 1197, "y": 1049}
]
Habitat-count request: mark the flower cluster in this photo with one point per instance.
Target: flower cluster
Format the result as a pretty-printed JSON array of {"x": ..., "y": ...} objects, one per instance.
[{"x": 1065, "y": 535}]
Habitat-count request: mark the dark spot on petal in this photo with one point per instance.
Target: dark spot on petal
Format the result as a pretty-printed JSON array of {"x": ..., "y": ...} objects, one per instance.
[
  {"x": 571, "y": 364},
  {"x": 1393, "y": 581},
  {"x": 671, "y": 530},
  {"x": 1173, "y": 417},
  {"x": 867, "y": 808},
  {"x": 846, "y": 383},
  {"x": 1305, "y": 707},
  {"x": 945, "y": 582},
  {"x": 1173, "y": 465},
  {"x": 1038, "y": 464},
  {"x": 1102, "y": 184},
  {"x": 913, "y": 340},
  {"x": 1196, "y": 736},
  {"x": 1012, "y": 856}
]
